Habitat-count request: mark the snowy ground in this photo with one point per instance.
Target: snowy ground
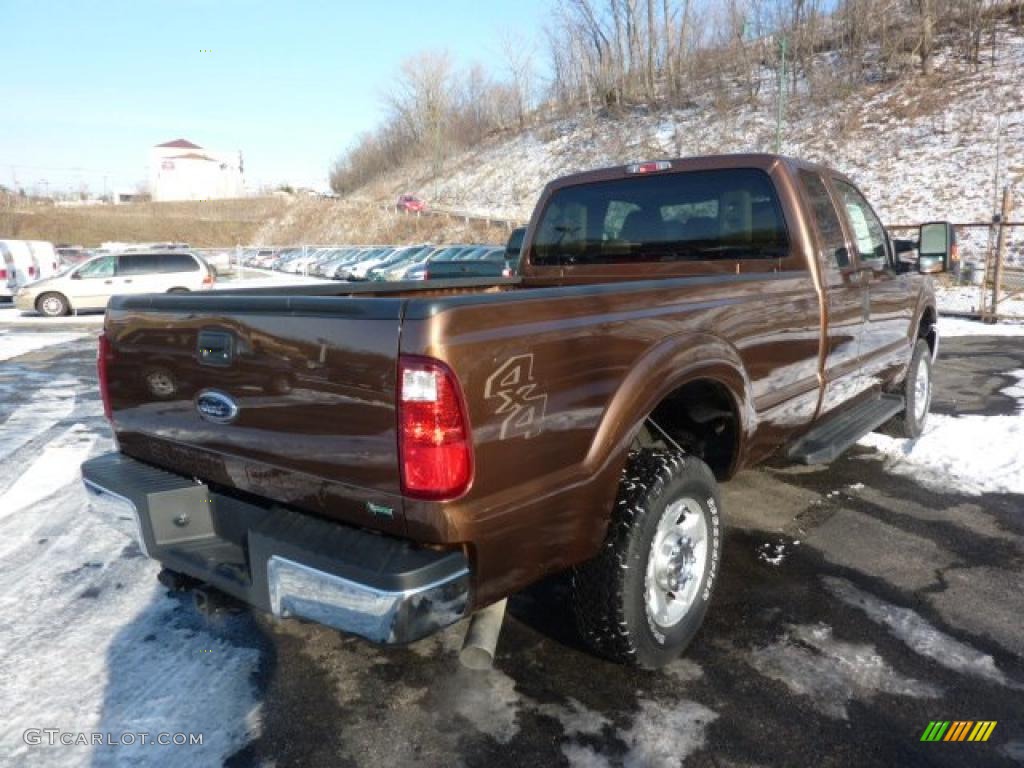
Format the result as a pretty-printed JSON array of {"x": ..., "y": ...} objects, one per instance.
[
  {"x": 862, "y": 599},
  {"x": 969, "y": 300}
]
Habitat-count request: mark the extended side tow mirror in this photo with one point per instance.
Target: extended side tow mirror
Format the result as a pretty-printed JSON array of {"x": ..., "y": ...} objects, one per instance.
[{"x": 936, "y": 247}]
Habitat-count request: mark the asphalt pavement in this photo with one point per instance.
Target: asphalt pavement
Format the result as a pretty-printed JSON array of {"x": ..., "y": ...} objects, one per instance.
[{"x": 856, "y": 606}]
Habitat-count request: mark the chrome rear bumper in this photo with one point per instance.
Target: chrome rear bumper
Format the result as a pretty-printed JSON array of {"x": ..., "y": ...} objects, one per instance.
[{"x": 384, "y": 589}]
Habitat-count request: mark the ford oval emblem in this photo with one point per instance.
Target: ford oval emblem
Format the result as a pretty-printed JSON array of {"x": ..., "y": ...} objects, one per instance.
[{"x": 216, "y": 406}]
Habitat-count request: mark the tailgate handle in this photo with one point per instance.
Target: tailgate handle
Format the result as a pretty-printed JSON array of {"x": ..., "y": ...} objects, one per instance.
[{"x": 215, "y": 348}]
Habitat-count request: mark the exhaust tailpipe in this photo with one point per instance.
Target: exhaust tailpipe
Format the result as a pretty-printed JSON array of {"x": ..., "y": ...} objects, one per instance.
[
  {"x": 482, "y": 637},
  {"x": 209, "y": 601}
]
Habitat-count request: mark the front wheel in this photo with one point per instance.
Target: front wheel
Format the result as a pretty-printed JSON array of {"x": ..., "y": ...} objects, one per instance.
[
  {"x": 53, "y": 305},
  {"x": 917, "y": 392},
  {"x": 641, "y": 600}
]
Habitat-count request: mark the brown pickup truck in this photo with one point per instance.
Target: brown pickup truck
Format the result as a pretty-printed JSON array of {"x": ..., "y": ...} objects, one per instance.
[{"x": 387, "y": 459}]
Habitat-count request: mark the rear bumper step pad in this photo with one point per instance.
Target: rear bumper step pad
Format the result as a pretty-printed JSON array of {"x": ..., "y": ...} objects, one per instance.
[{"x": 381, "y": 588}]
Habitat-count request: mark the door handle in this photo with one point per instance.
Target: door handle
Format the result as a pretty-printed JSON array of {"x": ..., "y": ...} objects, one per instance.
[
  {"x": 108, "y": 282},
  {"x": 128, "y": 280}
]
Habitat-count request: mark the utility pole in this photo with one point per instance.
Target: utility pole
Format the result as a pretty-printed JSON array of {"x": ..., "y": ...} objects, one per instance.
[{"x": 782, "y": 95}]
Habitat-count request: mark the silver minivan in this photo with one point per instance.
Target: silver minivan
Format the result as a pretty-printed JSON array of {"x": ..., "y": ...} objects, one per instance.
[{"x": 90, "y": 285}]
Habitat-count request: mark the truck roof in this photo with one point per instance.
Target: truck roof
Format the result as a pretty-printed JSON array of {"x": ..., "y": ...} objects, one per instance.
[{"x": 762, "y": 160}]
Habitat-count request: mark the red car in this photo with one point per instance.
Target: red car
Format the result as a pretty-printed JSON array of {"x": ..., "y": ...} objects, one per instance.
[{"x": 410, "y": 204}]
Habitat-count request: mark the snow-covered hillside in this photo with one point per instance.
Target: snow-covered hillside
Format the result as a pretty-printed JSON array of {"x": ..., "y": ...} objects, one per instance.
[{"x": 921, "y": 148}]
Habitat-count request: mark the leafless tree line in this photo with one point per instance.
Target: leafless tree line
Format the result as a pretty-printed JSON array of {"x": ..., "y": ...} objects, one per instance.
[
  {"x": 608, "y": 55},
  {"x": 433, "y": 109}
]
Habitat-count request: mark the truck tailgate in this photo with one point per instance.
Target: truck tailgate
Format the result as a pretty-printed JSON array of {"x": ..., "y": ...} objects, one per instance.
[{"x": 288, "y": 398}]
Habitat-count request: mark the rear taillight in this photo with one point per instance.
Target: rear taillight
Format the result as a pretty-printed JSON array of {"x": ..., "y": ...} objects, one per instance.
[
  {"x": 3, "y": 274},
  {"x": 31, "y": 271},
  {"x": 208, "y": 280},
  {"x": 104, "y": 355},
  {"x": 434, "y": 447}
]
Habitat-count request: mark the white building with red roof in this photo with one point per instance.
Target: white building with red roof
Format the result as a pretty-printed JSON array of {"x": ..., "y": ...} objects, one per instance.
[{"x": 181, "y": 170}]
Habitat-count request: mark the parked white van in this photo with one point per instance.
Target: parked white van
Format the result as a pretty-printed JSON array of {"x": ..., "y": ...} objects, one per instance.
[
  {"x": 90, "y": 284},
  {"x": 46, "y": 258},
  {"x": 19, "y": 266}
]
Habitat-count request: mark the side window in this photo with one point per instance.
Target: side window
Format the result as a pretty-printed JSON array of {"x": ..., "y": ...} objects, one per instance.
[
  {"x": 177, "y": 262},
  {"x": 830, "y": 230},
  {"x": 867, "y": 229},
  {"x": 102, "y": 267},
  {"x": 137, "y": 264}
]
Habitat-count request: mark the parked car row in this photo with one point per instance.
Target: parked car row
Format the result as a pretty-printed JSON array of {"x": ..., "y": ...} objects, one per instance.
[{"x": 379, "y": 262}]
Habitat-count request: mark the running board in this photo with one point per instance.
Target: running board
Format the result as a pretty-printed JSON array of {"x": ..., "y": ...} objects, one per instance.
[{"x": 837, "y": 433}]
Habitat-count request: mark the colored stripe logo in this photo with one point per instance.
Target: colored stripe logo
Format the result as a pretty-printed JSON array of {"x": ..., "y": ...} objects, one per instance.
[{"x": 958, "y": 730}]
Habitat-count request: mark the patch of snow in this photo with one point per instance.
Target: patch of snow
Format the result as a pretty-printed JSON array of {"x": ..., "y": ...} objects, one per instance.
[
  {"x": 684, "y": 670},
  {"x": 966, "y": 454},
  {"x": 950, "y": 327},
  {"x": 14, "y": 345},
  {"x": 57, "y": 466},
  {"x": 1016, "y": 390},
  {"x": 92, "y": 643},
  {"x": 49, "y": 404},
  {"x": 920, "y": 636},
  {"x": 856, "y": 486},
  {"x": 1014, "y": 750},
  {"x": 810, "y": 662},
  {"x": 488, "y": 700},
  {"x": 575, "y": 718},
  {"x": 11, "y": 316},
  {"x": 580, "y": 756},
  {"x": 665, "y": 734},
  {"x": 772, "y": 554}
]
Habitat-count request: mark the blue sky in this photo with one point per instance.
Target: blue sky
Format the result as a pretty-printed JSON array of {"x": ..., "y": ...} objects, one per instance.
[{"x": 92, "y": 85}]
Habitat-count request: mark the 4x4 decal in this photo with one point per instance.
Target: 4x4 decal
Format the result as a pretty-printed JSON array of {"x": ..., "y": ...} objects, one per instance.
[{"x": 523, "y": 407}]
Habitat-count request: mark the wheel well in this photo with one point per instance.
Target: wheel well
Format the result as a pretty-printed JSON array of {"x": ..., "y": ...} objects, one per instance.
[
  {"x": 44, "y": 294},
  {"x": 926, "y": 328},
  {"x": 700, "y": 417}
]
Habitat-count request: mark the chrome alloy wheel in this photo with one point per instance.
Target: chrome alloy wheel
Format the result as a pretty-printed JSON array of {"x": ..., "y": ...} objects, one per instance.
[
  {"x": 676, "y": 562},
  {"x": 922, "y": 391}
]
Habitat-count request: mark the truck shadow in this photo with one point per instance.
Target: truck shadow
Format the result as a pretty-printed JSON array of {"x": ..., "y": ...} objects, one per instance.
[{"x": 172, "y": 670}]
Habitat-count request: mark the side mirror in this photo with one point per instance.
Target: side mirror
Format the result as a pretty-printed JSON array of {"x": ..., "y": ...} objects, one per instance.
[
  {"x": 76, "y": 275},
  {"x": 936, "y": 247}
]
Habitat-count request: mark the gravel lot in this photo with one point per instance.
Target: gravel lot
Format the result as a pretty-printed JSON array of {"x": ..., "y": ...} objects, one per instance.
[{"x": 858, "y": 602}]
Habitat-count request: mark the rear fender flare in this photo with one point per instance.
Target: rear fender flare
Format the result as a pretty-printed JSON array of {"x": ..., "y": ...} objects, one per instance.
[{"x": 668, "y": 365}]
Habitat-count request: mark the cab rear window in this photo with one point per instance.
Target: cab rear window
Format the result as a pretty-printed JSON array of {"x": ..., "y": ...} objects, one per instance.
[{"x": 694, "y": 216}]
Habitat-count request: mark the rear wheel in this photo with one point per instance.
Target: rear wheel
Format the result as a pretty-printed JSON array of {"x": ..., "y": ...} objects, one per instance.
[
  {"x": 53, "y": 305},
  {"x": 917, "y": 392},
  {"x": 643, "y": 597}
]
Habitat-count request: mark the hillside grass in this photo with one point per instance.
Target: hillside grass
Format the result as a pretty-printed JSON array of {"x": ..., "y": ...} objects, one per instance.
[
  {"x": 250, "y": 221},
  {"x": 200, "y": 223}
]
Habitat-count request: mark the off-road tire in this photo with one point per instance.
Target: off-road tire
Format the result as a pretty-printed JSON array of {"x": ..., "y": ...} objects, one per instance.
[
  {"x": 609, "y": 592},
  {"x": 53, "y": 304},
  {"x": 909, "y": 423}
]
